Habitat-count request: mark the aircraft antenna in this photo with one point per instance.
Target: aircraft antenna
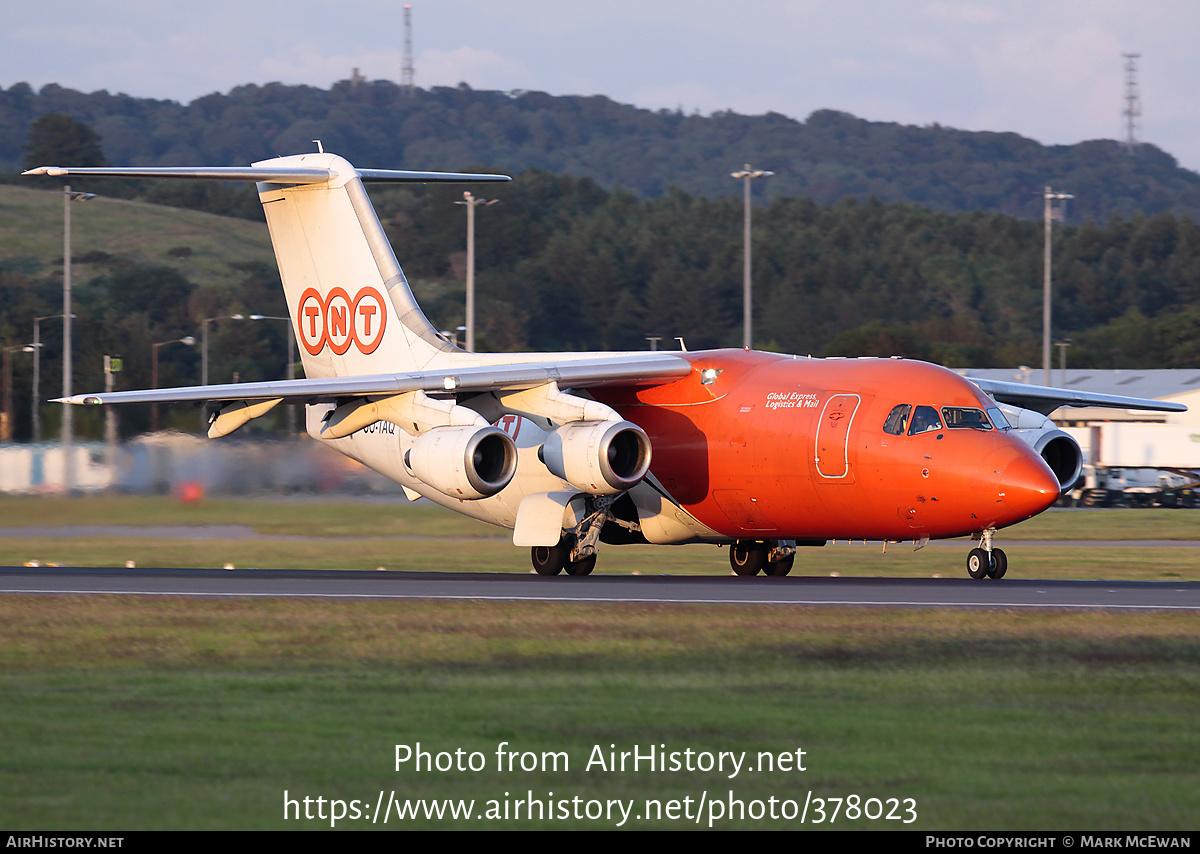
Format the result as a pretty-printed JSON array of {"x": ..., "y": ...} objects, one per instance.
[
  {"x": 1133, "y": 102},
  {"x": 407, "y": 72}
]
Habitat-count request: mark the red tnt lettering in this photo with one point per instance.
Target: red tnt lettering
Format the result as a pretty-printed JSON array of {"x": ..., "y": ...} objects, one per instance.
[
  {"x": 367, "y": 312},
  {"x": 336, "y": 321},
  {"x": 510, "y": 424},
  {"x": 312, "y": 312}
]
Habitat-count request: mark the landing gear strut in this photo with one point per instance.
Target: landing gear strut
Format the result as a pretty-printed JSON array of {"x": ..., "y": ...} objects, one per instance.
[
  {"x": 987, "y": 562},
  {"x": 576, "y": 551}
]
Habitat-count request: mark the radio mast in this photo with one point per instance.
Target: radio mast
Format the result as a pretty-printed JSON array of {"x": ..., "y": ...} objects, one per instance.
[
  {"x": 407, "y": 72},
  {"x": 1133, "y": 102}
]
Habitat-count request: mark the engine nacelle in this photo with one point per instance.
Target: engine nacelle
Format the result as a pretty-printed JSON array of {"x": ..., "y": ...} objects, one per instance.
[
  {"x": 1060, "y": 451},
  {"x": 464, "y": 462},
  {"x": 599, "y": 457}
]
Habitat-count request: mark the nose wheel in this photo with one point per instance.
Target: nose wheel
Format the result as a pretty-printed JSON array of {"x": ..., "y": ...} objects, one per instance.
[{"x": 987, "y": 562}]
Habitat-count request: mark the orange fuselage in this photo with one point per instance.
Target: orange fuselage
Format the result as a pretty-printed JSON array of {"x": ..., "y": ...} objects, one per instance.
[{"x": 778, "y": 447}]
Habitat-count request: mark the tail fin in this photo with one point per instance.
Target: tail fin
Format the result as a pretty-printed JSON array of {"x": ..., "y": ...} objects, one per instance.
[
  {"x": 352, "y": 307},
  {"x": 350, "y": 304}
]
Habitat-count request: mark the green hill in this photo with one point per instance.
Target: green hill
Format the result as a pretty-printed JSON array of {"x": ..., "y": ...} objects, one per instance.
[{"x": 31, "y": 237}]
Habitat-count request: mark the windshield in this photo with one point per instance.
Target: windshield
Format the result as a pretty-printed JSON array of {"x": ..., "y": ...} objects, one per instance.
[
  {"x": 961, "y": 416},
  {"x": 924, "y": 419},
  {"x": 897, "y": 420}
]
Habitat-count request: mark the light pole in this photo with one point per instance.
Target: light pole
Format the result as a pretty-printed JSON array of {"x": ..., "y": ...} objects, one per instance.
[
  {"x": 37, "y": 374},
  {"x": 68, "y": 423},
  {"x": 1062, "y": 346},
  {"x": 204, "y": 338},
  {"x": 471, "y": 202},
  {"x": 189, "y": 341},
  {"x": 291, "y": 366},
  {"x": 747, "y": 174},
  {"x": 6, "y": 426},
  {"x": 1050, "y": 196}
]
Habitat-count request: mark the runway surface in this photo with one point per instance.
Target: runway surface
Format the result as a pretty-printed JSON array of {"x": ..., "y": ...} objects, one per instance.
[
  {"x": 245, "y": 532},
  {"x": 892, "y": 592}
]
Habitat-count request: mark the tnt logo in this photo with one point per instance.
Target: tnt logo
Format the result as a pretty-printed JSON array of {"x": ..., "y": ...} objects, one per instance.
[
  {"x": 510, "y": 424},
  {"x": 339, "y": 321}
]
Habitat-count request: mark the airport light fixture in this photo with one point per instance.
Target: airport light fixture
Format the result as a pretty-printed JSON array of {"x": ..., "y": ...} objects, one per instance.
[
  {"x": 37, "y": 373},
  {"x": 1050, "y": 196},
  {"x": 189, "y": 341},
  {"x": 471, "y": 202},
  {"x": 1062, "y": 346},
  {"x": 6, "y": 425},
  {"x": 204, "y": 339},
  {"x": 66, "y": 436},
  {"x": 747, "y": 174}
]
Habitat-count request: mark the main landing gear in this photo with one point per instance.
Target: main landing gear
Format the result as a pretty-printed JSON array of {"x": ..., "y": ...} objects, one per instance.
[
  {"x": 749, "y": 557},
  {"x": 577, "y": 548},
  {"x": 987, "y": 562},
  {"x": 551, "y": 560}
]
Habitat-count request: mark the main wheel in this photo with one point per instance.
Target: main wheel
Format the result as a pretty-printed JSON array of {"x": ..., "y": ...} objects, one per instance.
[
  {"x": 978, "y": 565},
  {"x": 550, "y": 560},
  {"x": 747, "y": 557},
  {"x": 581, "y": 567},
  {"x": 780, "y": 568},
  {"x": 999, "y": 563}
]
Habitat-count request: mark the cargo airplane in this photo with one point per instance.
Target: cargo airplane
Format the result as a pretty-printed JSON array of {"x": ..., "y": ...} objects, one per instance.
[{"x": 762, "y": 452}]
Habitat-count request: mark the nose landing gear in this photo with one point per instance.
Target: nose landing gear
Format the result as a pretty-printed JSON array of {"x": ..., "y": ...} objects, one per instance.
[{"x": 987, "y": 562}]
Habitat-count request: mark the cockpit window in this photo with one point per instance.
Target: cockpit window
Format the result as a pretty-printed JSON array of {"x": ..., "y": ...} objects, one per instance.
[
  {"x": 998, "y": 418},
  {"x": 961, "y": 416},
  {"x": 897, "y": 420},
  {"x": 924, "y": 419}
]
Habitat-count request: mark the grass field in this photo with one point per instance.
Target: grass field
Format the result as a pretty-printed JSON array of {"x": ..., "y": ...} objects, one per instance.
[{"x": 127, "y": 713}]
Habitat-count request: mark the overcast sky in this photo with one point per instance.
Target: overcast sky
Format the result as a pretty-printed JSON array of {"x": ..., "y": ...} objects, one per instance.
[{"x": 1051, "y": 70}]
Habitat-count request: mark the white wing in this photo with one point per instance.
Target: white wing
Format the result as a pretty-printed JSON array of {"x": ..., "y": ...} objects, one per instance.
[
  {"x": 1045, "y": 400},
  {"x": 621, "y": 369}
]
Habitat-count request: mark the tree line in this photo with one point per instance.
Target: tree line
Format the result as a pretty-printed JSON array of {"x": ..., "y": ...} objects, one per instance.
[{"x": 828, "y": 156}]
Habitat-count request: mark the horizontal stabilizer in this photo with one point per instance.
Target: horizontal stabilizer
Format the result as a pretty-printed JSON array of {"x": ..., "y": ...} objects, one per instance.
[
  {"x": 1045, "y": 400},
  {"x": 265, "y": 174}
]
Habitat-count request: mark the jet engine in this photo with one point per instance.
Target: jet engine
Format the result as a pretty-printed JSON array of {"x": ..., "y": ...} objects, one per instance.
[
  {"x": 1060, "y": 451},
  {"x": 599, "y": 457},
  {"x": 464, "y": 462}
]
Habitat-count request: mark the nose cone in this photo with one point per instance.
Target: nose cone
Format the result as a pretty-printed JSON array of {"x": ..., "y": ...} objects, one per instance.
[{"x": 1028, "y": 486}]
